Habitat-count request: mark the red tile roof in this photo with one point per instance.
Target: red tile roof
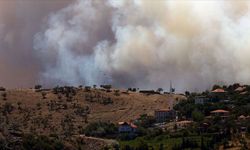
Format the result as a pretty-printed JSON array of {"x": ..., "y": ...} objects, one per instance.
[
  {"x": 162, "y": 110},
  {"x": 220, "y": 111},
  {"x": 122, "y": 123},
  {"x": 128, "y": 123},
  {"x": 218, "y": 91}
]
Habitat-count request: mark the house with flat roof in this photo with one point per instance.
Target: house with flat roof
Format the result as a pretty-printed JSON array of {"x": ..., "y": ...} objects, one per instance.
[{"x": 163, "y": 115}]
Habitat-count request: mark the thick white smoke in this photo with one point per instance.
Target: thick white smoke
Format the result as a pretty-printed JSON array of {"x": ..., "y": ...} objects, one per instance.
[
  {"x": 1, "y": 31},
  {"x": 20, "y": 20},
  {"x": 148, "y": 43}
]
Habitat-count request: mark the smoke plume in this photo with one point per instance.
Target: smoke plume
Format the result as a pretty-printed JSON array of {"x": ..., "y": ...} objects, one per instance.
[
  {"x": 148, "y": 43},
  {"x": 20, "y": 20},
  {"x": 137, "y": 43}
]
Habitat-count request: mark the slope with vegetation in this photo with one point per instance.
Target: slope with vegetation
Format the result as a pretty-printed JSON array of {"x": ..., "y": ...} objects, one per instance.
[
  {"x": 58, "y": 115},
  {"x": 207, "y": 131}
]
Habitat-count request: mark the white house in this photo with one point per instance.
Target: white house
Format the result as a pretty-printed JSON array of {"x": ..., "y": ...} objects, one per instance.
[{"x": 201, "y": 100}]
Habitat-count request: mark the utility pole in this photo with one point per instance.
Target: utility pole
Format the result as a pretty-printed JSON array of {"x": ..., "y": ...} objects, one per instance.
[{"x": 170, "y": 87}]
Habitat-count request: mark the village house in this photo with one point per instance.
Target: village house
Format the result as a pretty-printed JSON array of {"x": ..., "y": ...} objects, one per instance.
[
  {"x": 163, "y": 115},
  {"x": 221, "y": 113},
  {"x": 201, "y": 100},
  {"x": 127, "y": 127},
  {"x": 218, "y": 95}
]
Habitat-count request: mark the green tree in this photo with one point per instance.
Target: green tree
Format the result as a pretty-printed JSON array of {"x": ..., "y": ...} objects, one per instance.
[
  {"x": 100, "y": 129},
  {"x": 8, "y": 108},
  {"x": 4, "y": 95},
  {"x": 159, "y": 89},
  {"x": 143, "y": 145},
  {"x": 197, "y": 116},
  {"x": 187, "y": 93},
  {"x": 161, "y": 147},
  {"x": 37, "y": 87},
  {"x": 216, "y": 87}
]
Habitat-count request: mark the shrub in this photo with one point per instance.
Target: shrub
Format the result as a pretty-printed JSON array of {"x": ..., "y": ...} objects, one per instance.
[
  {"x": 38, "y": 105},
  {"x": 87, "y": 88},
  {"x": 41, "y": 143},
  {"x": 216, "y": 87},
  {"x": 37, "y": 87},
  {"x": 159, "y": 89},
  {"x": 44, "y": 95},
  {"x": 127, "y": 147},
  {"x": 107, "y": 87},
  {"x": 4, "y": 95},
  {"x": 117, "y": 93},
  {"x": 143, "y": 145},
  {"x": 151, "y": 133},
  {"x": 146, "y": 121},
  {"x": 2, "y": 89},
  {"x": 80, "y": 111},
  {"x": 100, "y": 129},
  {"x": 197, "y": 116},
  {"x": 59, "y": 97},
  {"x": 19, "y": 105},
  {"x": 8, "y": 108},
  {"x": 107, "y": 101},
  {"x": 132, "y": 89}
]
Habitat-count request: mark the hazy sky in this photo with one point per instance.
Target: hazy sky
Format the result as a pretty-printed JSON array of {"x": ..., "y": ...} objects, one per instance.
[
  {"x": 141, "y": 43},
  {"x": 19, "y": 21}
]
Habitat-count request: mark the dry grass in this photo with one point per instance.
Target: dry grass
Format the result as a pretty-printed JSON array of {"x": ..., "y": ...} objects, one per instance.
[{"x": 31, "y": 113}]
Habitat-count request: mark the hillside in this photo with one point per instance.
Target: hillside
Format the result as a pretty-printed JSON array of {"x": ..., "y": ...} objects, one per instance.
[{"x": 59, "y": 112}]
